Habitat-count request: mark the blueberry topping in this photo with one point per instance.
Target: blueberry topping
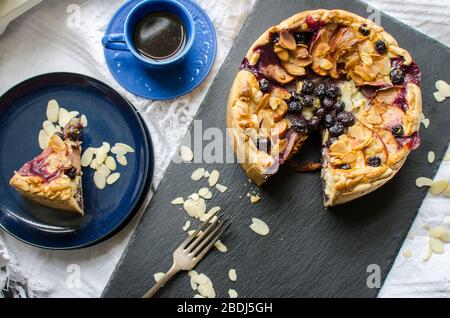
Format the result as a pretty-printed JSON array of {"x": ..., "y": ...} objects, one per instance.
[
  {"x": 332, "y": 91},
  {"x": 320, "y": 113},
  {"x": 296, "y": 96},
  {"x": 345, "y": 166},
  {"x": 264, "y": 85},
  {"x": 328, "y": 103},
  {"x": 398, "y": 131},
  {"x": 336, "y": 130},
  {"x": 339, "y": 106},
  {"x": 320, "y": 91},
  {"x": 264, "y": 144},
  {"x": 71, "y": 172},
  {"x": 308, "y": 87},
  {"x": 364, "y": 30},
  {"x": 380, "y": 46},
  {"x": 397, "y": 76},
  {"x": 345, "y": 118},
  {"x": 328, "y": 120},
  {"x": 295, "y": 107},
  {"x": 307, "y": 100},
  {"x": 314, "y": 123},
  {"x": 374, "y": 161},
  {"x": 300, "y": 126},
  {"x": 74, "y": 134},
  {"x": 300, "y": 38}
]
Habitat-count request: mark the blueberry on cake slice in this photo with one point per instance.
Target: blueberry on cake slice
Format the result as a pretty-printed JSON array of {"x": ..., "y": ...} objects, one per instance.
[
  {"x": 53, "y": 178},
  {"x": 333, "y": 73}
]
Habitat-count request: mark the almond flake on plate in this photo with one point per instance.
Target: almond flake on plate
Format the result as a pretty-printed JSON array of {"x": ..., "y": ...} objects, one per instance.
[
  {"x": 213, "y": 178},
  {"x": 232, "y": 293},
  {"x": 73, "y": 114},
  {"x": 220, "y": 246},
  {"x": 158, "y": 276},
  {"x": 438, "y": 187},
  {"x": 440, "y": 232},
  {"x": 53, "y": 111},
  {"x": 221, "y": 188},
  {"x": 99, "y": 180},
  {"x": 259, "y": 227},
  {"x": 49, "y": 128},
  {"x": 112, "y": 178},
  {"x": 63, "y": 117},
  {"x": 446, "y": 193},
  {"x": 232, "y": 275},
  {"x": 431, "y": 156},
  {"x": 102, "y": 153},
  {"x": 195, "y": 208},
  {"x": 123, "y": 146},
  {"x": 122, "y": 160},
  {"x": 186, "y": 226},
  {"x": 104, "y": 169},
  {"x": 43, "y": 139},
  {"x": 87, "y": 157},
  {"x": 83, "y": 121},
  {"x": 422, "y": 182},
  {"x": 93, "y": 164},
  {"x": 198, "y": 174},
  {"x": 110, "y": 162},
  {"x": 186, "y": 154},
  {"x": 177, "y": 201},
  {"x": 118, "y": 150},
  {"x": 205, "y": 193},
  {"x": 437, "y": 246},
  {"x": 427, "y": 257}
]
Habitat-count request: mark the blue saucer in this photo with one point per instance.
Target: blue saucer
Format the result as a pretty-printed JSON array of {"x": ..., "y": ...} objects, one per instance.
[
  {"x": 163, "y": 85},
  {"x": 111, "y": 118}
]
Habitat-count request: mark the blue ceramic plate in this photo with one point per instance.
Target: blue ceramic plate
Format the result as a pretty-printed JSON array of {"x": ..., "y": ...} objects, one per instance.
[
  {"x": 111, "y": 118},
  {"x": 163, "y": 85}
]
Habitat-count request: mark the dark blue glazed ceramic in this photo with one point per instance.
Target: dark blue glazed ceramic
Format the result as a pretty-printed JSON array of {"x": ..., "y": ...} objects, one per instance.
[{"x": 111, "y": 118}]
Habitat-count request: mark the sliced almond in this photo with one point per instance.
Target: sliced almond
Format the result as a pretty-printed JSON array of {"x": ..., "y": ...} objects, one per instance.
[
  {"x": 259, "y": 227},
  {"x": 436, "y": 245},
  {"x": 431, "y": 156},
  {"x": 43, "y": 139},
  {"x": 213, "y": 178},
  {"x": 93, "y": 164},
  {"x": 423, "y": 182},
  {"x": 443, "y": 88},
  {"x": 195, "y": 208},
  {"x": 438, "y": 187},
  {"x": 158, "y": 276},
  {"x": 232, "y": 293},
  {"x": 177, "y": 201},
  {"x": 325, "y": 64},
  {"x": 446, "y": 193},
  {"x": 64, "y": 117},
  {"x": 125, "y": 147},
  {"x": 232, "y": 275},
  {"x": 101, "y": 154},
  {"x": 122, "y": 160},
  {"x": 220, "y": 246},
  {"x": 426, "y": 122},
  {"x": 287, "y": 40},
  {"x": 205, "y": 193},
  {"x": 427, "y": 257},
  {"x": 437, "y": 232},
  {"x": 438, "y": 97},
  {"x": 83, "y": 121},
  {"x": 53, "y": 111},
  {"x": 73, "y": 114},
  {"x": 87, "y": 157},
  {"x": 110, "y": 162},
  {"x": 118, "y": 150},
  {"x": 194, "y": 196},
  {"x": 198, "y": 174},
  {"x": 407, "y": 254},
  {"x": 104, "y": 169},
  {"x": 112, "y": 178},
  {"x": 186, "y": 154},
  {"x": 49, "y": 128},
  {"x": 440, "y": 84},
  {"x": 186, "y": 226},
  {"x": 99, "y": 180},
  {"x": 255, "y": 198},
  {"x": 198, "y": 296},
  {"x": 221, "y": 188}
]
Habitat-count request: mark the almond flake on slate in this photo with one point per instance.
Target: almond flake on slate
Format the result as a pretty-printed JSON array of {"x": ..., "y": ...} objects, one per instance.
[
  {"x": 177, "y": 201},
  {"x": 221, "y": 188},
  {"x": 202, "y": 283},
  {"x": 205, "y": 193},
  {"x": 220, "y": 246},
  {"x": 207, "y": 174},
  {"x": 49, "y": 128},
  {"x": 83, "y": 121},
  {"x": 186, "y": 154},
  {"x": 99, "y": 180},
  {"x": 431, "y": 156},
  {"x": 195, "y": 208},
  {"x": 53, "y": 111},
  {"x": 437, "y": 246},
  {"x": 438, "y": 187},
  {"x": 438, "y": 97},
  {"x": 426, "y": 122},
  {"x": 422, "y": 182},
  {"x": 198, "y": 174},
  {"x": 87, "y": 157},
  {"x": 255, "y": 198},
  {"x": 194, "y": 196},
  {"x": 123, "y": 146},
  {"x": 198, "y": 296},
  {"x": 407, "y": 254},
  {"x": 43, "y": 139},
  {"x": 110, "y": 162},
  {"x": 158, "y": 276},
  {"x": 187, "y": 226},
  {"x": 112, "y": 178},
  {"x": 232, "y": 275},
  {"x": 122, "y": 160},
  {"x": 232, "y": 293},
  {"x": 259, "y": 227},
  {"x": 213, "y": 178},
  {"x": 443, "y": 87}
]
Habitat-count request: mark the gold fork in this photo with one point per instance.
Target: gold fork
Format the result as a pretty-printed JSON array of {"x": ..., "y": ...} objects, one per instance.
[{"x": 192, "y": 250}]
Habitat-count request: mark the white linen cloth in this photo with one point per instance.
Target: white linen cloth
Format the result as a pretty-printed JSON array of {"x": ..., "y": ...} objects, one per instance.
[{"x": 48, "y": 39}]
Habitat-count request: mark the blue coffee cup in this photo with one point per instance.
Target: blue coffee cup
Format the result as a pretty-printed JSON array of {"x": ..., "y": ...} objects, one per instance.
[{"x": 124, "y": 41}]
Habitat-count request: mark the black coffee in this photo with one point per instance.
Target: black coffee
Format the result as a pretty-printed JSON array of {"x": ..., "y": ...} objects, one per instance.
[{"x": 159, "y": 35}]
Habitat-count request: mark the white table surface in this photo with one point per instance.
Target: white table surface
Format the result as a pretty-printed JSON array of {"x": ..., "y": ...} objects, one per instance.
[{"x": 41, "y": 41}]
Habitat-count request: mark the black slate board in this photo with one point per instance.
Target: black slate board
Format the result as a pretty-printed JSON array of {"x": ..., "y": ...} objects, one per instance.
[{"x": 310, "y": 251}]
